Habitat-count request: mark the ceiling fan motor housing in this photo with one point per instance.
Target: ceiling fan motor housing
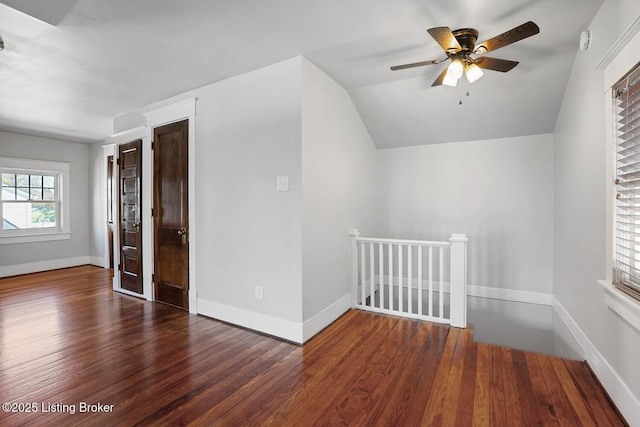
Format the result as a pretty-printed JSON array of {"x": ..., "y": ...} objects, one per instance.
[{"x": 467, "y": 38}]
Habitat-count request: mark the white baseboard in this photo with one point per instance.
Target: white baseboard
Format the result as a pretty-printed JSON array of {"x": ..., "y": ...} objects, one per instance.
[
  {"x": 625, "y": 401},
  {"x": 327, "y": 316},
  {"x": 618, "y": 390},
  {"x": 298, "y": 332},
  {"x": 473, "y": 291},
  {"x": 573, "y": 327},
  {"x": 99, "y": 262},
  {"x": 127, "y": 292},
  {"x": 36, "y": 267},
  {"x": 281, "y": 328},
  {"x": 510, "y": 295}
]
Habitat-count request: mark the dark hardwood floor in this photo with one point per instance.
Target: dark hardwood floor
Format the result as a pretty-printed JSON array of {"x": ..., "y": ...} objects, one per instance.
[{"x": 68, "y": 341}]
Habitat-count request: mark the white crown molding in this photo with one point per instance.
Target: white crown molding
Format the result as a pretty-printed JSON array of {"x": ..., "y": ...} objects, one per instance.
[
  {"x": 620, "y": 44},
  {"x": 171, "y": 113},
  {"x": 126, "y": 136}
]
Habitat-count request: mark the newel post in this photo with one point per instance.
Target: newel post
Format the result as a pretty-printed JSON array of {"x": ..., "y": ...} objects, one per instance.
[
  {"x": 353, "y": 235},
  {"x": 458, "y": 279}
]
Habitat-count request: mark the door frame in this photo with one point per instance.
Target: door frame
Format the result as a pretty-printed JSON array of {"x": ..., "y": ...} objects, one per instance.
[
  {"x": 111, "y": 149},
  {"x": 111, "y": 163},
  {"x": 165, "y": 115}
]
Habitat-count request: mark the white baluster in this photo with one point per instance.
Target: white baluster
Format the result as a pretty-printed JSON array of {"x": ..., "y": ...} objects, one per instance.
[
  {"x": 381, "y": 272},
  {"x": 420, "y": 280},
  {"x": 371, "y": 274},
  {"x": 400, "y": 269},
  {"x": 391, "y": 276},
  {"x": 363, "y": 282},
  {"x": 409, "y": 276},
  {"x": 441, "y": 307},
  {"x": 430, "y": 281}
]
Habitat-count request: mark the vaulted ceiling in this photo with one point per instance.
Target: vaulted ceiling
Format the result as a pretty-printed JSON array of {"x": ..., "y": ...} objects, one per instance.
[{"x": 70, "y": 66}]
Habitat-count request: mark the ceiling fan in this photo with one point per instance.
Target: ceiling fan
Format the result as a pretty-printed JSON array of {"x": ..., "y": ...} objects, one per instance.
[{"x": 460, "y": 44}]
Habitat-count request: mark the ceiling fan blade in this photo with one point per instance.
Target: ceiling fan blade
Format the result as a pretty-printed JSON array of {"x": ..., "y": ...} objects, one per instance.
[
  {"x": 415, "y": 64},
  {"x": 440, "y": 79},
  {"x": 495, "y": 64},
  {"x": 445, "y": 38},
  {"x": 518, "y": 33}
]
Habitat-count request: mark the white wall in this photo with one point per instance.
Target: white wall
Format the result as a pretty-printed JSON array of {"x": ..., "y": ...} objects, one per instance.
[
  {"x": 497, "y": 192},
  {"x": 248, "y": 132},
  {"x": 98, "y": 206},
  {"x": 580, "y": 225},
  {"x": 29, "y": 257},
  {"x": 339, "y": 188}
]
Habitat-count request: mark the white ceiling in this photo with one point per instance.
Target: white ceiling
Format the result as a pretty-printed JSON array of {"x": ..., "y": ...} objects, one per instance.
[{"x": 82, "y": 62}]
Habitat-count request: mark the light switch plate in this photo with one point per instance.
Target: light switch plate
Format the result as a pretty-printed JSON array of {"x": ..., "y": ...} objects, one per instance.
[{"x": 282, "y": 183}]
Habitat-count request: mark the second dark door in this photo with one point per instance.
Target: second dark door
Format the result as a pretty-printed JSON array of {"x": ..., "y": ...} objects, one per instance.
[
  {"x": 130, "y": 185},
  {"x": 171, "y": 213}
]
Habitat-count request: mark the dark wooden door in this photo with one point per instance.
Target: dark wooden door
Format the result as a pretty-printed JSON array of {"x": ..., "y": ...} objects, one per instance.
[
  {"x": 130, "y": 190},
  {"x": 171, "y": 213}
]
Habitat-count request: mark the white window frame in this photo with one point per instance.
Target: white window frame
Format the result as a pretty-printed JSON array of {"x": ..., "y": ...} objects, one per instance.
[
  {"x": 41, "y": 167},
  {"x": 625, "y": 269},
  {"x": 619, "y": 60}
]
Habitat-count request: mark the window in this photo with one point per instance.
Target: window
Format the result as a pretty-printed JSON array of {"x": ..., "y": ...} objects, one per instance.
[
  {"x": 33, "y": 201},
  {"x": 626, "y": 262},
  {"x": 29, "y": 201}
]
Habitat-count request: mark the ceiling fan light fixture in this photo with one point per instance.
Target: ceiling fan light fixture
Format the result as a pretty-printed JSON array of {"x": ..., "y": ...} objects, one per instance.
[
  {"x": 450, "y": 81},
  {"x": 460, "y": 44},
  {"x": 473, "y": 72},
  {"x": 454, "y": 72},
  {"x": 455, "y": 69}
]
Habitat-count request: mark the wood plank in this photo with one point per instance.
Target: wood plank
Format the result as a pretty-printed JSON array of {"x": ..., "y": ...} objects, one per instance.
[
  {"x": 481, "y": 408},
  {"x": 562, "y": 407},
  {"x": 465, "y": 410},
  {"x": 528, "y": 404},
  {"x": 511, "y": 391},
  {"x": 393, "y": 399},
  {"x": 574, "y": 395},
  {"x": 435, "y": 408},
  {"x": 546, "y": 407},
  {"x": 424, "y": 372},
  {"x": 67, "y": 338},
  {"x": 326, "y": 381},
  {"x": 497, "y": 392},
  {"x": 594, "y": 395}
]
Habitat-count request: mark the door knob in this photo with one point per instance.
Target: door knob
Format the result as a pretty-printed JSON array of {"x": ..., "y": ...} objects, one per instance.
[
  {"x": 136, "y": 225},
  {"x": 183, "y": 233}
]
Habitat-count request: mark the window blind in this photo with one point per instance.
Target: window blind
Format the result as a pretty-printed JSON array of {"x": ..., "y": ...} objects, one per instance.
[{"x": 626, "y": 263}]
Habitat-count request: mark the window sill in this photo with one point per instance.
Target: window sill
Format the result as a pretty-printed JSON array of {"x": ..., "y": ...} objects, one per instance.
[
  {"x": 34, "y": 237},
  {"x": 625, "y": 306}
]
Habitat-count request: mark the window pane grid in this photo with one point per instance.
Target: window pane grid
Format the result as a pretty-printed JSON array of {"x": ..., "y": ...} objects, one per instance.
[
  {"x": 28, "y": 187},
  {"x": 28, "y": 201}
]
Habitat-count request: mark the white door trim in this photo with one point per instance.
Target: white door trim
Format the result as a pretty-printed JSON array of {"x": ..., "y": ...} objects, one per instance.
[
  {"x": 172, "y": 113},
  {"x": 111, "y": 149}
]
